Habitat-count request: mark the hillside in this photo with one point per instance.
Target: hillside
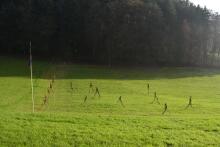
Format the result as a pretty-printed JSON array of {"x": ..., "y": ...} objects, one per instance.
[{"x": 66, "y": 120}]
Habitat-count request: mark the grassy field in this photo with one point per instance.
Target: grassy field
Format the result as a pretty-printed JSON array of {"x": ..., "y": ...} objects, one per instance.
[{"x": 67, "y": 121}]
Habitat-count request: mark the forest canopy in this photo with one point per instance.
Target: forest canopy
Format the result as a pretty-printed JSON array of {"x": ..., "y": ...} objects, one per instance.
[{"x": 142, "y": 32}]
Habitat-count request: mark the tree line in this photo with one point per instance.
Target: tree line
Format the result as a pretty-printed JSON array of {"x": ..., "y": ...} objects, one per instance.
[{"x": 113, "y": 32}]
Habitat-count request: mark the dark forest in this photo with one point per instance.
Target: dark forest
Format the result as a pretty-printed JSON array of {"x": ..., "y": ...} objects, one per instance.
[{"x": 111, "y": 32}]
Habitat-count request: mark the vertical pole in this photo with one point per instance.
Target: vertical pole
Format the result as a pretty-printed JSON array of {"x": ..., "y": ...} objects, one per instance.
[{"x": 32, "y": 85}]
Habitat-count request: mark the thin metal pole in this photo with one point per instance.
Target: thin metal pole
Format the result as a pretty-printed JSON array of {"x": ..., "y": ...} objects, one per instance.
[{"x": 32, "y": 85}]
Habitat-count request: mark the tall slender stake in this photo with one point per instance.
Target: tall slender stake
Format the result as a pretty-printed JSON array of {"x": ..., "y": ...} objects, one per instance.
[{"x": 32, "y": 85}]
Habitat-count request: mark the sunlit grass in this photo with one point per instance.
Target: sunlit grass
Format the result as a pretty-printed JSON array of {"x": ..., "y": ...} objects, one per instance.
[{"x": 67, "y": 121}]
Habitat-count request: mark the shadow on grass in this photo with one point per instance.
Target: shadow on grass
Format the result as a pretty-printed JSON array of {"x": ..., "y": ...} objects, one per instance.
[{"x": 11, "y": 67}]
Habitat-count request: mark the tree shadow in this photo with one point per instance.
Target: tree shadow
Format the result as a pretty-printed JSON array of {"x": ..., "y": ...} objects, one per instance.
[{"x": 14, "y": 67}]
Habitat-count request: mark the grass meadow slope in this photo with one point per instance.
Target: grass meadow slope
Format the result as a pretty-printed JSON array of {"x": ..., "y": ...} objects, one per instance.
[{"x": 102, "y": 121}]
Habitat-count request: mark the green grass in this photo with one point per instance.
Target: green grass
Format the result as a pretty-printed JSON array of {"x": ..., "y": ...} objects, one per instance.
[{"x": 66, "y": 121}]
